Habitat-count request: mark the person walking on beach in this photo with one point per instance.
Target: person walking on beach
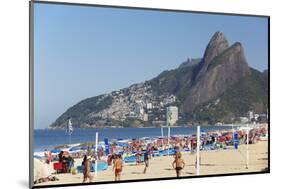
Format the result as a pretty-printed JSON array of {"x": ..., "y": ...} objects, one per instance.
[
  {"x": 117, "y": 167},
  {"x": 50, "y": 157},
  {"x": 178, "y": 164},
  {"x": 138, "y": 156},
  {"x": 87, "y": 164},
  {"x": 146, "y": 160}
]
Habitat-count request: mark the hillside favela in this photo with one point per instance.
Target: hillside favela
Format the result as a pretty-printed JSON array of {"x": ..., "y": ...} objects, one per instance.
[{"x": 207, "y": 116}]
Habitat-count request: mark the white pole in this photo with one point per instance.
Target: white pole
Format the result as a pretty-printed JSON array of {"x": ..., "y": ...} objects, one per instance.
[
  {"x": 162, "y": 135},
  {"x": 169, "y": 140},
  {"x": 232, "y": 134},
  {"x": 198, "y": 150},
  {"x": 96, "y": 163},
  {"x": 247, "y": 156}
]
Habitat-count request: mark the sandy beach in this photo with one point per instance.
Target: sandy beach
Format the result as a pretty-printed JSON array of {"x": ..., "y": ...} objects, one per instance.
[{"x": 212, "y": 162}]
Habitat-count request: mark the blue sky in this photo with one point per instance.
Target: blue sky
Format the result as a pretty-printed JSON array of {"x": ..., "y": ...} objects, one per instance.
[{"x": 81, "y": 52}]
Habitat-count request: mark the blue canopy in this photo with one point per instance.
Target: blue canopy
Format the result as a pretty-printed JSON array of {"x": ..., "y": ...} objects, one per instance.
[
  {"x": 130, "y": 159},
  {"x": 74, "y": 148},
  {"x": 122, "y": 144},
  {"x": 56, "y": 150}
]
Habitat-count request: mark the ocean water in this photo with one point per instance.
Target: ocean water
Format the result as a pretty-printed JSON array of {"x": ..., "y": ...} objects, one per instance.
[{"x": 47, "y": 139}]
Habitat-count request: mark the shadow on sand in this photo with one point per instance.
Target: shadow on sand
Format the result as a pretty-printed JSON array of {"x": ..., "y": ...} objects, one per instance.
[{"x": 137, "y": 173}]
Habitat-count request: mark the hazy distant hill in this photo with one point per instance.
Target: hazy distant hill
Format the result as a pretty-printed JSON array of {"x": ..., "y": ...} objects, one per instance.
[{"x": 220, "y": 87}]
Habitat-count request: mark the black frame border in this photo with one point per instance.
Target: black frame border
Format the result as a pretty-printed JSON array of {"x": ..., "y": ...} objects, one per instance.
[{"x": 31, "y": 90}]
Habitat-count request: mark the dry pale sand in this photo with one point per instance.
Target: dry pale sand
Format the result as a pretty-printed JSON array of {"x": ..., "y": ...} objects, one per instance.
[{"x": 212, "y": 162}]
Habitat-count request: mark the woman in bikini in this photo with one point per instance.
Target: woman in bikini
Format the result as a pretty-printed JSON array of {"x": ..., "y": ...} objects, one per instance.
[{"x": 87, "y": 164}]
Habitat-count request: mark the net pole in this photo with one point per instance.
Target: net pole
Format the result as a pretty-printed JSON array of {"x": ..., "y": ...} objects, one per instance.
[
  {"x": 96, "y": 163},
  {"x": 169, "y": 140},
  {"x": 247, "y": 155},
  {"x": 198, "y": 151}
]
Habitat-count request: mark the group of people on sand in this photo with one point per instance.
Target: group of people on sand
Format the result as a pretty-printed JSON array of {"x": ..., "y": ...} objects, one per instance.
[
  {"x": 117, "y": 168},
  {"x": 118, "y": 164},
  {"x": 143, "y": 152},
  {"x": 67, "y": 161}
]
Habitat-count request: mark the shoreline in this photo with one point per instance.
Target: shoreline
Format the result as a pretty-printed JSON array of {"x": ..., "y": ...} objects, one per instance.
[
  {"x": 143, "y": 127},
  {"x": 227, "y": 129}
]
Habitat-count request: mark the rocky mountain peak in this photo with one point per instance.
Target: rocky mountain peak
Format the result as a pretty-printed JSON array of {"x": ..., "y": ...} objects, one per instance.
[
  {"x": 218, "y": 71},
  {"x": 216, "y": 46}
]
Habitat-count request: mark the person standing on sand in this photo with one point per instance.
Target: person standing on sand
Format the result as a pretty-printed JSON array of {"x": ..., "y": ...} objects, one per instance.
[
  {"x": 178, "y": 164},
  {"x": 178, "y": 154},
  {"x": 117, "y": 167},
  {"x": 46, "y": 156},
  {"x": 50, "y": 157},
  {"x": 138, "y": 156},
  {"x": 146, "y": 160},
  {"x": 87, "y": 164}
]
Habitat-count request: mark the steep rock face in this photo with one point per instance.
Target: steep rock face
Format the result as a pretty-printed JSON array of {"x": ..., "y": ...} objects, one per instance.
[
  {"x": 249, "y": 93},
  {"x": 222, "y": 71},
  {"x": 215, "y": 47}
]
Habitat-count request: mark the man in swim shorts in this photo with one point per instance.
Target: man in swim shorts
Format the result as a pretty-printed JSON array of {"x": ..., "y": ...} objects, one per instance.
[
  {"x": 117, "y": 168},
  {"x": 178, "y": 164}
]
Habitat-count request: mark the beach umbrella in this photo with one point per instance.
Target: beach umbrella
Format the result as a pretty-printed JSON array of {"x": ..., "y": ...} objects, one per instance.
[
  {"x": 56, "y": 150},
  {"x": 39, "y": 154},
  {"x": 122, "y": 144},
  {"x": 83, "y": 147},
  {"x": 74, "y": 149},
  {"x": 41, "y": 169},
  {"x": 38, "y": 157},
  {"x": 99, "y": 147}
]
